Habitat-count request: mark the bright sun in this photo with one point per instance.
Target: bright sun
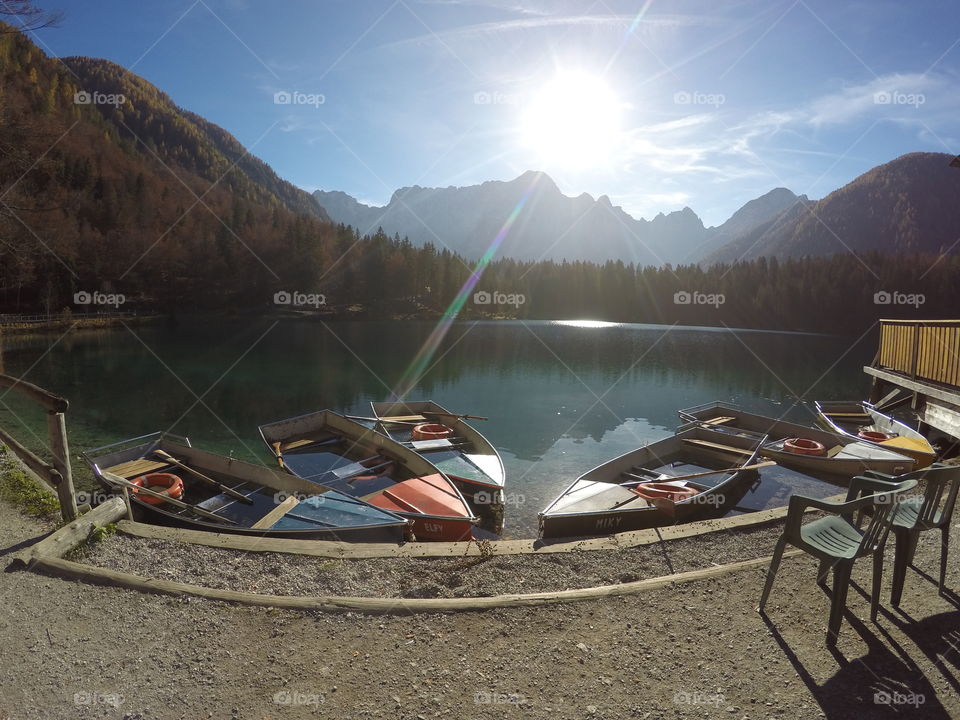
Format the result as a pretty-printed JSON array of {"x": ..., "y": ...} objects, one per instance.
[{"x": 573, "y": 122}]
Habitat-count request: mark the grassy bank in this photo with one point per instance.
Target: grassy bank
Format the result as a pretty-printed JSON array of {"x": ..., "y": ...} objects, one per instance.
[{"x": 23, "y": 492}]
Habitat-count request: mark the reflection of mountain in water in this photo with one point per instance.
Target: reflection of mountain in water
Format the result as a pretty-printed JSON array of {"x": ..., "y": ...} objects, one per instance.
[{"x": 537, "y": 383}]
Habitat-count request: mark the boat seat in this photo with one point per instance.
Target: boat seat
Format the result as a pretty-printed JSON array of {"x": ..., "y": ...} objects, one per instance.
[
  {"x": 718, "y": 446},
  {"x": 404, "y": 418},
  {"x": 719, "y": 420},
  {"x": 136, "y": 468},
  {"x": 268, "y": 520}
]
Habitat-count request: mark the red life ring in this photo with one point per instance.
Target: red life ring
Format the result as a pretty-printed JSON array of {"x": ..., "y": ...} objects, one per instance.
[
  {"x": 804, "y": 446},
  {"x": 874, "y": 436},
  {"x": 664, "y": 491},
  {"x": 431, "y": 431},
  {"x": 166, "y": 483}
]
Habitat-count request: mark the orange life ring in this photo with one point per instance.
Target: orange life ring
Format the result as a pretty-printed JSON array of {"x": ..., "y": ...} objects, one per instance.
[
  {"x": 874, "y": 436},
  {"x": 664, "y": 491},
  {"x": 166, "y": 483},
  {"x": 804, "y": 446},
  {"x": 431, "y": 431}
]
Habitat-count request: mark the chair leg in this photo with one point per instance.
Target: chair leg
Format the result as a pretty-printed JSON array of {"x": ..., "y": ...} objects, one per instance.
[
  {"x": 838, "y": 602},
  {"x": 823, "y": 572},
  {"x": 772, "y": 571},
  {"x": 912, "y": 547},
  {"x": 900, "y": 561},
  {"x": 944, "y": 552},
  {"x": 877, "y": 582}
]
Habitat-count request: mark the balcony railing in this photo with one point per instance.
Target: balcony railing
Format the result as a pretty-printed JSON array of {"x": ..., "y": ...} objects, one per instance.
[{"x": 925, "y": 350}]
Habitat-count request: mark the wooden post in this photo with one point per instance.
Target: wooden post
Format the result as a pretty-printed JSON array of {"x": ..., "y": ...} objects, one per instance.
[
  {"x": 57, "y": 429},
  {"x": 62, "y": 541}
]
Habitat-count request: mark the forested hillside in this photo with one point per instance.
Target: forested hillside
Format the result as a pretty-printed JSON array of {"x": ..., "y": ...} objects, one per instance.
[{"x": 120, "y": 190}]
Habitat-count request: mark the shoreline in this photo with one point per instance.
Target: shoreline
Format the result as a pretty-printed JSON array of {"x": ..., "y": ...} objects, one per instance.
[
  {"x": 74, "y": 323},
  {"x": 82, "y": 323}
]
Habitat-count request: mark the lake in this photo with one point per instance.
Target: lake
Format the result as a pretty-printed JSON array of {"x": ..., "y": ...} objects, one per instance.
[{"x": 562, "y": 397}]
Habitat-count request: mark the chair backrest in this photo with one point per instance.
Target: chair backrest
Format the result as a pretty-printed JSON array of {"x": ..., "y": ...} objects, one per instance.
[
  {"x": 883, "y": 503},
  {"x": 942, "y": 484}
]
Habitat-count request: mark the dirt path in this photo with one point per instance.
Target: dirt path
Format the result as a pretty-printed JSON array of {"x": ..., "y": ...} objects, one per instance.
[{"x": 695, "y": 651}]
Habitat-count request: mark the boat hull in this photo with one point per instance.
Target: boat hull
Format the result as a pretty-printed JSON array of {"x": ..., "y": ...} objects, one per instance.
[
  {"x": 414, "y": 489},
  {"x": 837, "y": 415},
  {"x": 869, "y": 456},
  {"x": 597, "y": 503},
  {"x": 482, "y": 484},
  {"x": 323, "y": 505}
]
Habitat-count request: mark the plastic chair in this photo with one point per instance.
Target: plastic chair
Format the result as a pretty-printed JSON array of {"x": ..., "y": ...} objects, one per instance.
[
  {"x": 933, "y": 510},
  {"x": 837, "y": 542}
]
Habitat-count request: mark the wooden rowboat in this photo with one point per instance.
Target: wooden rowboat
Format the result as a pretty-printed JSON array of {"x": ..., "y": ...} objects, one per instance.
[
  {"x": 270, "y": 503},
  {"x": 464, "y": 454},
  {"x": 610, "y": 498},
  {"x": 328, "y": 448},
  {"x": 842, "y": 455},
  {"x": 858, "y": 419}
]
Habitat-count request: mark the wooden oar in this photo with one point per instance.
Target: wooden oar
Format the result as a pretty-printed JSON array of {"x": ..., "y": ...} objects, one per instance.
[
  {"x": 456, "y": 415},
  {"x": 209, "y": 480},
  {"x": 691, "y": 476},
  {"x": 122, "y": 482},
  {"x": 385, "y": 421}
]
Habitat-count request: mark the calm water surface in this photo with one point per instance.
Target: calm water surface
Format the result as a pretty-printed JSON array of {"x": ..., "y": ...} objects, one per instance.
[{"x": 562, "y": 397}]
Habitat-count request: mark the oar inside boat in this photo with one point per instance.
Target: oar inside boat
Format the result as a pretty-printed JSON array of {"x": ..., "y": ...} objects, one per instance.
[
  {"x": 691, "y": 476},
  {"x": 136, "y": 489},
  {"x": 209, "y": 480}
]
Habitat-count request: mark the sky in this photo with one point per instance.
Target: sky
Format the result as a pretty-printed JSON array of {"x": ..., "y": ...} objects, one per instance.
[{"x": 658, "y": 105}]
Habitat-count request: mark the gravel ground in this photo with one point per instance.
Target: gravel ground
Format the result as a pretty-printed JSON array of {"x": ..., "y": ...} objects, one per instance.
[
  {"x": 698, "y": 650},
  {"x": 282, "y": 574}
]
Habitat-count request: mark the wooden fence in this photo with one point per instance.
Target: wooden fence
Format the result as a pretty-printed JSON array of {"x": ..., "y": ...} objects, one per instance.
[
  {"x": 57, "y": 473},
  {"x": 925, "y": 350}
]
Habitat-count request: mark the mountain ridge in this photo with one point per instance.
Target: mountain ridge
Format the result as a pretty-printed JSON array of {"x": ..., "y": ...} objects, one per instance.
[{"x": 554, "y": 226}]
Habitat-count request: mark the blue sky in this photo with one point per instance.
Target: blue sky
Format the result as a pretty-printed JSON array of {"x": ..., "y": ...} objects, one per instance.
[{"x": 656, "y": 104}]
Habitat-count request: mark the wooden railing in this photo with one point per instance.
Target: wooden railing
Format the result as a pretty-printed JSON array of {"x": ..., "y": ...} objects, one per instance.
[
  {"x": 57, "y": 474},
  {"x": 926, "y": 350}
]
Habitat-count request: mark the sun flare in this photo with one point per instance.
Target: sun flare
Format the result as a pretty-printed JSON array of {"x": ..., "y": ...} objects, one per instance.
[{"x": 573, "y": 122}]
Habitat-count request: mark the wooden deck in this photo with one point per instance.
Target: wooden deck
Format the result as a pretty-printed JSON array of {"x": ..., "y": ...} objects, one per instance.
[{"x": 922, "y": 358}]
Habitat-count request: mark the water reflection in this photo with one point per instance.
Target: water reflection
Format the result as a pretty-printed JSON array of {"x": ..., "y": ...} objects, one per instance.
[{"x": 561, "y": 397}]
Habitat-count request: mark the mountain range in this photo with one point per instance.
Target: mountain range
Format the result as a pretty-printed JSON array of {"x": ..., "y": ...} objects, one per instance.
[
  {"x": 905, "y": 206},
  {"x": 109, "y": 183}
]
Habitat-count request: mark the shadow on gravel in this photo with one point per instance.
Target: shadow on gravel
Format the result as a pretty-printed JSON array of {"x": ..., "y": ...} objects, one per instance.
[
  {"x": 22, "y": 544},
  {"x": 938, "y": 637},
  {"x": 886, "y": 682}
]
